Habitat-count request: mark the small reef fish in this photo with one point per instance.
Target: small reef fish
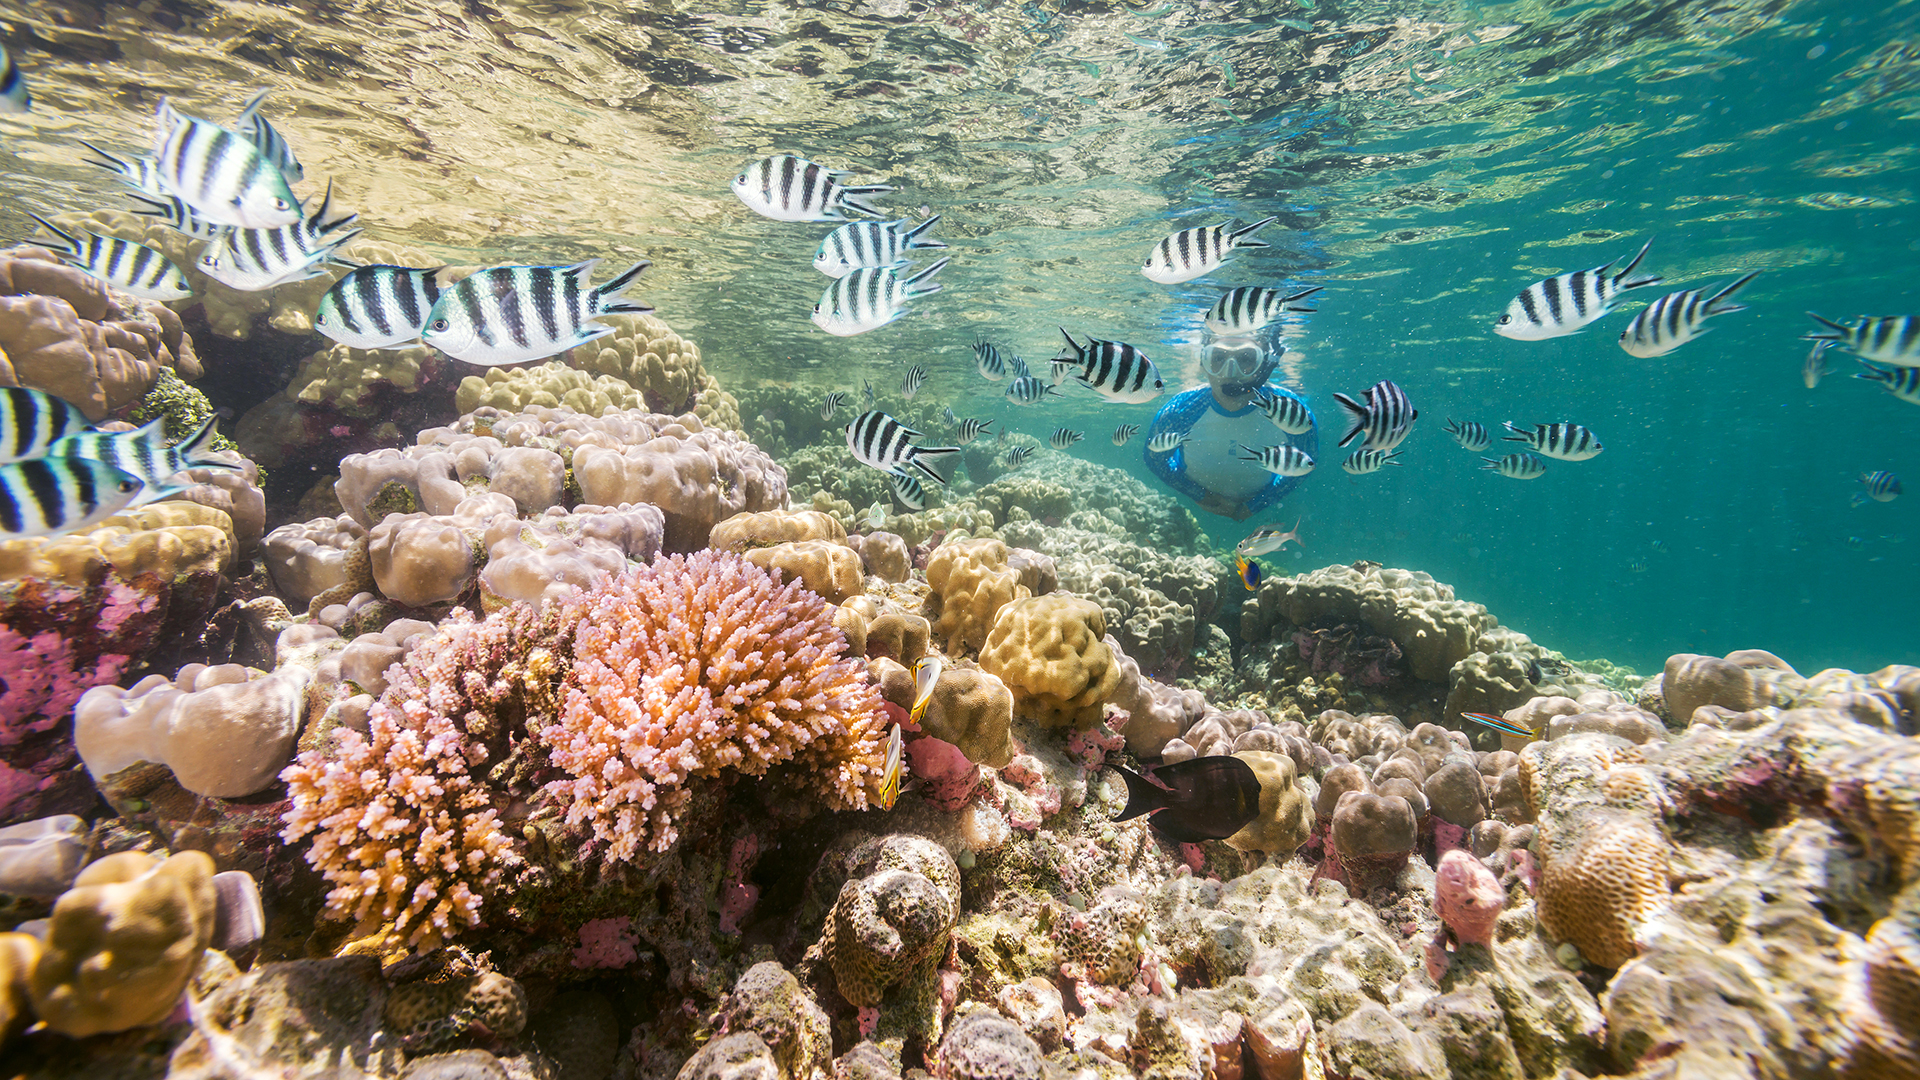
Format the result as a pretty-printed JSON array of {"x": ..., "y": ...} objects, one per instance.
[
  {"x": 946, "y": 413},
  {"x": 881, "y": 442},
  {"x": 1501, "y": 724},
  {"x": 866, "y": 391},
  {"x": 989, "y": 361},
  {"x": 1203, "y": 798},
  {"x": 1566, "y": 442},
  {"x": 1064, "y": 438},
  {"x": 832, "y": 403},
  {"x": 1469, "y": 434},
  {"x": 908, "y": 490},
  {"x": 1248, "y": 570},
  {"x": 511, "y": 314},
  {"x": 143, "y": 453},
  {"x": 1385, "y": 419},
  {"x": 1286, "y": 412},
  {"x": 1637, "y": 566},
  {"x": 1901, "y": 382},
  {"x": 876, "y": 516},
  {"x": 1018, "y": 456},
  {"x": 971, "y": 429},
  {"x": 1192, "y": 253},
  {"x": 1814, "y": 367},
  {"x": 1563, "y": 304},
  {"x": 31, "y": 421},
  {"x": 1281, "y": 460},
  {"x": 50, "y": 496},
  {"x": 1026, "y": 390},
  {"x": 14, "y": 96},
  {"x": 1117, "y": 371},
  {"x": 1251, "y": 307},
  {"x": 859, "y": 244},
  {"x": 912, "y": 381},
  {"x": 926, "y": 674},
  {"x": 1125, "y": 433},
  {"x": 1659, "y": 547},
  {"x": 179, "y": 215},
  {"x": 1885, "y": 339},
  {"x": 788, "y": 188},
  {"x": 1166, "y": 442},
  {"x": 141, "y": 172},
  {"x": 379, "y": 306},
  {"x": 123, "y": 264},
  {"x": 254, "y": 127},
  {"x": 1677, "y": 318},
  {"x": 223, "y": 176},
  {"x": 1517, "y": 466},
  {"x": 892, "y": 771},
  {"x": 1880, "y": 486},
  {"x": 254, "y": 260},
  {"x": 1018, "y": 368},
  {"x": 1362, "y": 462},
  {"x": 870, "y": 298},
  {"x": 1268, "y": 539}
]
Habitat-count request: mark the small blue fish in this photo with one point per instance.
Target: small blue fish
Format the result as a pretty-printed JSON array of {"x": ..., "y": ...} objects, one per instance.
[{"x": 1248, "y": 570}]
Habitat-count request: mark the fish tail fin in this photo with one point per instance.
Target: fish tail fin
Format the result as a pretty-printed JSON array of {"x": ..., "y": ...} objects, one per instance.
[
  {"x": 1142, "y": 796},
  {"x": 939, "y": 454},
  {"x": 1358, "y": 419},
  {"x": 1517, "y": 436},
  {"x": 1624, "y": 279},
  {"x": 917, "y": 285},
  {"x": 251, "y": 107},
  {"x": 1859, "y": 500},
  {"x": 1491, "y": 463},
  {"x": 1840, "y": 332},
  {"x": 107, "y": 161},
  {"x": 1249, "y": 230},
  {"x": 1720, "y": 303},
  {"x": 620, "y": 284},
  {"x": 1391, "y": 458},
  {"x": 913, "y": 239},
  {"x": 57, "y": 231},
  {"x": 855, "y": 198},
  {"x": 196, "y": 451}
]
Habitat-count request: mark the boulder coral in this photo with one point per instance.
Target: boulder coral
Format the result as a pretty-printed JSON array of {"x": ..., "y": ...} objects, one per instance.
[{"x": 971, "y": 581}]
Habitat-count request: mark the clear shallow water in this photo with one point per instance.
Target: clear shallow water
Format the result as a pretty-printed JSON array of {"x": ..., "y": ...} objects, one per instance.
[{"x": 1426, "y": 161}]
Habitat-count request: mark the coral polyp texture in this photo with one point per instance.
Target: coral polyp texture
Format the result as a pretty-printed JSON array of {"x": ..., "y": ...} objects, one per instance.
[{"x": 699, "y": 665}]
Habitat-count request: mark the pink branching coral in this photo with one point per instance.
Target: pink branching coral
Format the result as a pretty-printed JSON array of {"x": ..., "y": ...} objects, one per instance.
[
  {"x": 696, "y": 666},
  {"x": 404, "y": 825}
]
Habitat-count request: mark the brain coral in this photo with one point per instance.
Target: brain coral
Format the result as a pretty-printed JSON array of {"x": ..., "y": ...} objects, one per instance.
[
  {"x": 1602, "y": 875},
  {"x": 698, "y": 665},
  {"x": 1050, "y": 653}
]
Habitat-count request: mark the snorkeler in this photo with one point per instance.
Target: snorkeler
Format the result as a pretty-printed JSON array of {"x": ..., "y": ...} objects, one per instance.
[{"x": 1224, "y": 426}]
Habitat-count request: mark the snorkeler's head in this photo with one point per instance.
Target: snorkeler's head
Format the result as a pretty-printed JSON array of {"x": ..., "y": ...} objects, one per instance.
[{"x": 1237, "y": 365}]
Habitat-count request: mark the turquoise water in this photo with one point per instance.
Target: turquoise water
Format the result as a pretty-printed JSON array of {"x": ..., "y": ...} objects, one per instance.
[{"x": 1427, "y": 162}]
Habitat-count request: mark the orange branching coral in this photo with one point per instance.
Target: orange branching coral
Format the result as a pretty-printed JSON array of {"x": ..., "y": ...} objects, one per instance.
[
  {"x": 696, "y": 666},
  {"x": 404, "y": 822}
]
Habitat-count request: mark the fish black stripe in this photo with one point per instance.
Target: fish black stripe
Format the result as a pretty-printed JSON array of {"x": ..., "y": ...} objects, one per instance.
[
  {"x": 513, "y": 316},
  {"x": 366, "y": 290},
  {"x": 28, "y": 418},
  {"x": 45, "y": 489},
  {"x": 1577, "y": 292},
  {"x": 406, "y": 293},
  {"x": 476, "y": 313},
  {"x": 10, "y": 515},
  {"x": 789, "y": 167},
  {"x": 1527, "y": 306},
  {"x": 571, "y": 304},
  {"x": 813, "y": 182}
]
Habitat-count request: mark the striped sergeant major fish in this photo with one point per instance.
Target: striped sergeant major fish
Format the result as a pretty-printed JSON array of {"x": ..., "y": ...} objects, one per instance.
[
  {"x": 1166, "y": 442},
  {"x": 31, "y": 421},
  {"x": 1884, "y": 339},
  {"x": 144, "y": 454},
  {"x": 832, "y": 403},
  {"x": 1242, "y": 311},
  {"x": 1026, "y": 390},
  {"x": 1286, "y": 412},
  {"x": 912, "y": 381},
  {"x": 123, "y": 264},
  {"x": 1125, "y": 433},
  {"x": 1469, "y": 434},
  {"x": 255, "y": 260},
  {"x": 14, "y": 95},
  {"x": 220, "y": 174},
  {"x": 1281, "y": 460},
  {"x": 1814, "y": 367},
  {"x": 379, "y": 306},
  {"x": 870, "y": 298},
  {"x": 1385, "y": 419},
  {"x": 50, "y": 496},
  {"x": 859, "y": 244},
  {"x": 1063, "y": 438},
  {"x": 1563, "y": 304},
  {"x": 1517, "y": 466},
  {"x": 1117, "y": 371},
  {"x": 1567, "y": 442},
  {"x": 1192, "y": 253},
  {"x": 1677, "y": 318},
  {"x": 879, "y": 441},
  {"x": 1018, "y": 456},
  {"x": 907, "y": 490},
  {"x": 1362, "y": 462},
  {"x": 511, "y": 314},
  {"x": 789, "y": 188},
  {"x": 179, "y": 215},
  {"x": 142, "y": 173},
  {"x": 1880, "y": 486},
  {"x": 255, "y": 128},
  {"x": 989, "y": 361},
  {"x": 946, "y": 414},
  {"x": 1901, "y": 382},
  {"x": 971, "y": 429}
]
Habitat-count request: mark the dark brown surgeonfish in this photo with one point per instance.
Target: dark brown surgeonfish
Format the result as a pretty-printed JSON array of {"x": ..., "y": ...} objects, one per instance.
[{"x": 1206, "y": 798}]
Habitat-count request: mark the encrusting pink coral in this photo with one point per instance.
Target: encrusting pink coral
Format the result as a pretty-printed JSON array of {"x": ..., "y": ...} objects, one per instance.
[{"x": 695, "y": 666}]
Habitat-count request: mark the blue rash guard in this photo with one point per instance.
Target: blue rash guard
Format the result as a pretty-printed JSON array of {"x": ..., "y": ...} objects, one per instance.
[{"x": 1211, "y": 462}]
